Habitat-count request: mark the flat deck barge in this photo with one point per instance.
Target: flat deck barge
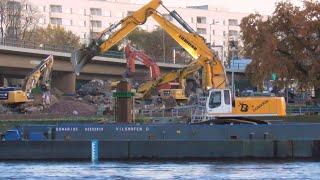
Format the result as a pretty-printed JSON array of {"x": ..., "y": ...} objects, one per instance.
[{"x": 161, "y": 141}]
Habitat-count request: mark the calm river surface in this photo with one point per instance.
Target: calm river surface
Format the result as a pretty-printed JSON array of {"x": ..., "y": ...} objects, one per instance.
[{"x": 162, "y": 170}]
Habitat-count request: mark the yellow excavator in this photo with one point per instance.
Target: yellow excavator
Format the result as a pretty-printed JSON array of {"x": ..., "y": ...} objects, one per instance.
[
  {"x": 218, "y": 102},
  {"x": 40, "y": 75}
]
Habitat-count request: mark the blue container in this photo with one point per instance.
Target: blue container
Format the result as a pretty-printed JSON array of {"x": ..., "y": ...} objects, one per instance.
[{"x": 12, "y": 135}]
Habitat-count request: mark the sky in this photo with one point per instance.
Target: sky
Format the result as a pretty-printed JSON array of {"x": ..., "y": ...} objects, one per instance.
[{"x": 246, "y": 6}]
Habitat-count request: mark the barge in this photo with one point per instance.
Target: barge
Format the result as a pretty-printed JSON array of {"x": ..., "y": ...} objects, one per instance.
[{"x": 161, "y": 141}]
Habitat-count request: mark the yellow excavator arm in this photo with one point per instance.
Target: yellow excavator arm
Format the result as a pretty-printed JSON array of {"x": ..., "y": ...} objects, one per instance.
[
  {"x": 110, "y": 36},
  {"x": 213, "y": 71},
  {"x": 41, "y": 75},
  {"x": 213, "y": 75}
]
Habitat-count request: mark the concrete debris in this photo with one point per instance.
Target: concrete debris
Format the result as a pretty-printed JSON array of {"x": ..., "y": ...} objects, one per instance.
[
  {"x": 95, "y": 87},
  {"x": 70, "y": 107},
  {"x": 4, "y": 110},
  {"x": 33, "y": 109},
  {"x": 36, "y": 106}
]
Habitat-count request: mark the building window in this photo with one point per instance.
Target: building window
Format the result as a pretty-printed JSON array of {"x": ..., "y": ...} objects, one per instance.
[
  {"x": 191, "y": 19},
  {"x": 96, "y": 11},
  {"x": 213, "y": 32},
  {"x": 233, "y": 33},
  {"x": 129, "y": 13},
  {"x": 56, "y": 21},
  {"x": 224, "y": 33},
  {"x": 233, "y": 22},
  {"x": 56, "y": 8},
  {"x": 95, "y": 23},
  {"x": 201, "y": 20},
  {"x": 201, "y": 30},
  {"x": 83, "y": 23}
]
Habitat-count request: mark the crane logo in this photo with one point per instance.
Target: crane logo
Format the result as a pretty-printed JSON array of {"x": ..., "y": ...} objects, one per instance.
[
  {"x": 187, "y": 42},
  {"x": 244, "y": 107}
]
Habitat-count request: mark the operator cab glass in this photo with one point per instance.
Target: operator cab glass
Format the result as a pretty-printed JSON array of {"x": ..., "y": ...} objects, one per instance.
[
  {"x": 219, "y": 101},
  {"x": 215, "y": 99}
]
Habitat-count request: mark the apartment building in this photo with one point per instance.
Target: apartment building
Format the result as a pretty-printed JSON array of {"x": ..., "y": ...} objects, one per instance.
[{"x": 88, "y": 17}]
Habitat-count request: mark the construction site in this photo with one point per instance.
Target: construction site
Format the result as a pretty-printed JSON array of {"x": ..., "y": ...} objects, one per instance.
[{"x": 195, "y": 106}]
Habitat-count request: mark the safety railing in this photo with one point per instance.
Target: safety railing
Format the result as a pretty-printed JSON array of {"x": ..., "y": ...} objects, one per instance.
[
  {"x": 47, "y": 47},
  {"x": 199, "y": 111},
  {"x": 303, "y": 110},
  {"x": 174, "y": 112}
]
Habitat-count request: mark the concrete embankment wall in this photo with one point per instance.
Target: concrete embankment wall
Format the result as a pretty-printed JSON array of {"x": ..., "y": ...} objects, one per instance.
[{"x": 63, "y": 150}]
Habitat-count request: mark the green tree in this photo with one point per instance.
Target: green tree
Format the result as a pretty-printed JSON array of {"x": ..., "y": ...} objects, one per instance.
[{"x": 53, "y": 36}]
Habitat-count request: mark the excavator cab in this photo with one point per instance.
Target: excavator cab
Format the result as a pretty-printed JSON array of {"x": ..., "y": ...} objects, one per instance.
[{"x": 219, "y": 101}]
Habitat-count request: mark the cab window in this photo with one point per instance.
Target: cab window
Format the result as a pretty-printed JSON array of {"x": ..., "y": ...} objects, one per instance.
[
  {"x": 227, "y": 97},
  {"x": 215, "y": 99}
]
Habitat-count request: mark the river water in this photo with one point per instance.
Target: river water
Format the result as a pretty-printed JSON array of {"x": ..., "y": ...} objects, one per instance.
[{"x": 161, "y": 170}]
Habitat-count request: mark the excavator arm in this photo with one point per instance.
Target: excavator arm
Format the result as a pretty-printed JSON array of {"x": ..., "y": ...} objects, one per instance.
[
  {"x": 41, "y": 74},
  {"x": 133, "y": 54},
  {"x": 213, "y": 76},
  {"x": 110, "y": 36}
]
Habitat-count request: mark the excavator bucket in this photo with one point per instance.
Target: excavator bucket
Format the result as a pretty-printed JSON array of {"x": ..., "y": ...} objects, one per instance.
[{"x": 80, "y": 58}]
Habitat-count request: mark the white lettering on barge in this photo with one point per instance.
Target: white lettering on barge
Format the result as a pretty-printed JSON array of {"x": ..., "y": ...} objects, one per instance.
[
  {"x": 132, "y": 129},
  {"x": 66, "y": 129}
]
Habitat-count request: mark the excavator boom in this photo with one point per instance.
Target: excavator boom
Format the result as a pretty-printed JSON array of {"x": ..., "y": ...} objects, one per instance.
[
  {"x": 41, "y": 74},
  {"x": 110, "y": 36},
  {"x": 133, "y": 54}
]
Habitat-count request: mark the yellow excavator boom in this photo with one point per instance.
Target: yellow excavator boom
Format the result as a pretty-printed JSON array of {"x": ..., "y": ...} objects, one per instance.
[
  {"x": 213, "y": 74},
  {"x": 110, "y": 36},
  {"x": 40, "y": 75}
]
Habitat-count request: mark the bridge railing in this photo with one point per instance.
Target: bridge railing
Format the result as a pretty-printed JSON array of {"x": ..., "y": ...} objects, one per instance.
[{"x": 49, "y": 47}]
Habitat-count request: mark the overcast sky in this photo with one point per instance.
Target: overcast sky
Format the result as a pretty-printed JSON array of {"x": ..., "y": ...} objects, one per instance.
[{"x": 249, "y": 6}]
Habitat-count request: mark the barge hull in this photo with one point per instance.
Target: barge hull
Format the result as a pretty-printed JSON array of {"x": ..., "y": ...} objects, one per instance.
[{"x": 81, "y": 150}]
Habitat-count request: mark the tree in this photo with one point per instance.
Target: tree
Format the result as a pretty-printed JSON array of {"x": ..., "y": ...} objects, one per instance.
[
  {"x": 17, "y": 17},
  {"x": 286, "y": 43},
  {"x": 54, "y": 36}
]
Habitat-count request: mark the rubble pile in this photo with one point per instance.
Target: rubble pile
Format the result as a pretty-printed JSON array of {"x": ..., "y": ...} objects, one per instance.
[
  {"x": 97, "y": 93},
  {"x": 36, "y": 105},
  {"x": 95, "y": 87},
  {"x": 69, "y": 107}
]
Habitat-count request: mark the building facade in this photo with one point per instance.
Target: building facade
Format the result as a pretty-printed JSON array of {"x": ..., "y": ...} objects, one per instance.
[{"x": 88, "y": 17}]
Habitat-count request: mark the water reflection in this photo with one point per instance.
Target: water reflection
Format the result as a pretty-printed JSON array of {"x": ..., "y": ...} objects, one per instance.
[{"x": 162, "y": 170}]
